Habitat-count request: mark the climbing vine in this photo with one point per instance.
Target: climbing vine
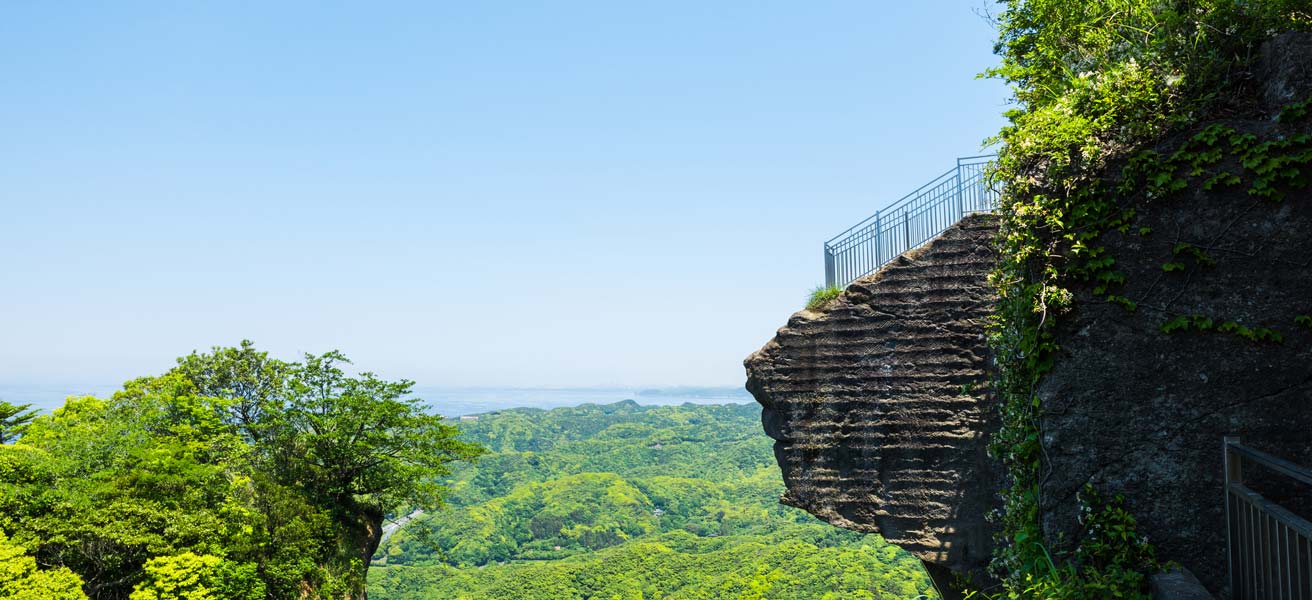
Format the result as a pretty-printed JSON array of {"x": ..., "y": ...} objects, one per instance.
[{"x": 1096, "y": 83}]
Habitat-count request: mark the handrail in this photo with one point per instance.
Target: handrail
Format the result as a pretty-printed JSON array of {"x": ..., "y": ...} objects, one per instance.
[
  {"x": 895, "y": 205},
  {"x": 1278, "y": 465},
  {"x": 1267, "y": 546},
  {"x": 910, "y": 221}
]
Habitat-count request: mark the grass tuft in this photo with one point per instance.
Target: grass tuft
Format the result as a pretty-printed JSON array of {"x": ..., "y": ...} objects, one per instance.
[{"x": 822, "y": 296}]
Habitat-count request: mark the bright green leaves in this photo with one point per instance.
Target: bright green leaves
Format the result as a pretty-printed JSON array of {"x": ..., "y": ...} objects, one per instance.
[
  {"x": 1271, "y": 166},
  {"x": 1204, "y": 323},
  {"x": 1259, "y": 334},
  {"x": 1293, "y": 113},
  {"x": 1177, "y": 323},
  {"x": 1185, "y": 249},
  {"x": 189, "y": 576},
  {"x": 1222, "y": 178},
  {"x": 1186, "y": 323},
  {"x": 21, "y": 580},
  {"x": 1123, "y": 302},
  {"x": 1278, "y": 165}
]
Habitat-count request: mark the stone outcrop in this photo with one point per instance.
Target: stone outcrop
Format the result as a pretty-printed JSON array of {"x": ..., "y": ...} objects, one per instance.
[{"x": 880, "y": 404}]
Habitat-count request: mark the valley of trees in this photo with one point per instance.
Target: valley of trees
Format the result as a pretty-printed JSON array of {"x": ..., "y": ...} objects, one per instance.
[
  {"x": 623, "y": 501},
  {"x": 232, "y": 476},
  {"x": 237, "y": 476}
]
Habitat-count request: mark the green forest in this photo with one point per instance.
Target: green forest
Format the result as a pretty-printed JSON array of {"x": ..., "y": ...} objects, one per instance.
[
  {"x": 623, "y": 501},
  {"x": 234, "y": 475}
]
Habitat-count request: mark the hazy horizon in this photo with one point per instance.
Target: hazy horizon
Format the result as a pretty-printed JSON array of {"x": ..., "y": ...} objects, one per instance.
[{"x": 450, "y": 401}]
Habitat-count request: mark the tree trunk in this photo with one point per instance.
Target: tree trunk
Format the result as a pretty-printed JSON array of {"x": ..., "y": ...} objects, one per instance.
[{"x": 365, "y": 531}]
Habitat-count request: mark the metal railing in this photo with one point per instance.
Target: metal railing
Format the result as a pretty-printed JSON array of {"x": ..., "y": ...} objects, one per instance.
[
  {"x": 1269, "y": 549},
  {"x": 915, "y": 219}
]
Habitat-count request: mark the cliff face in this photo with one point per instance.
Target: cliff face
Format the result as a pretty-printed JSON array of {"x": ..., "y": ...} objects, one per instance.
[
  {"x": 1140, "y": 412},
  {"x": 880, "y": 403}
]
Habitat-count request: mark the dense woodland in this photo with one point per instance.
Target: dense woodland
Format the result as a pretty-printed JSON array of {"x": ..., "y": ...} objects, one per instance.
[{"x": 627, "y": 501}]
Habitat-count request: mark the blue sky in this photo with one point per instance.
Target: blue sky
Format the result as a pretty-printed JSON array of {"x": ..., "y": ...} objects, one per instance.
[{"x": 460, "y": 193}]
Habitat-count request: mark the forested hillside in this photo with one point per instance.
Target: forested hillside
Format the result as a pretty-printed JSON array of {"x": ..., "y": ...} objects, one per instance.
[{"x": 626, "y": 501}]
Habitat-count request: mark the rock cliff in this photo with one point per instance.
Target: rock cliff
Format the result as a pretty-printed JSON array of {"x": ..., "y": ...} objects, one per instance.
[{"x": 880, "y": 404}]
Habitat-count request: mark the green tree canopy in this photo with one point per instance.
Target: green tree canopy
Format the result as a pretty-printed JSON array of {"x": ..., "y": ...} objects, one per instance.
[
  {"x": 21, "y": 580},
  {"x": 280, "y": 471},
  {"x": 14, "y": 419},
  {"x": 357, "y": 445}
]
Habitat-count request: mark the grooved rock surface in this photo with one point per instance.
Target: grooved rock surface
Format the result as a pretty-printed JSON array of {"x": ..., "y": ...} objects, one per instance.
[{"x": 880, "y": 406}]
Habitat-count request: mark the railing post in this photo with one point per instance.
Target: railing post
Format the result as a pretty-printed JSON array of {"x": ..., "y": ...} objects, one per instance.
[
  {"x": 879, "y": 238},
  {"x": 829, "y": 267},
  {"x": 906, "y": 231},
  {"x": 1233, "y": 473},
  {"x": 961, "y": 198}
]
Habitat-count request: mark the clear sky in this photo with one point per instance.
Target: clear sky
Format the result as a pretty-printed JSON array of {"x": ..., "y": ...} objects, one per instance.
[{"x": 460, "y": 193}]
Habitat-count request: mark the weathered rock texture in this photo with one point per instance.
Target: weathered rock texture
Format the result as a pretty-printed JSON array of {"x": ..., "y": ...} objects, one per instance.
[
  {"x": 1285, "y": 69},
  {"x": 1142, "y": 413},
  {"x": 880, "y": 402}
]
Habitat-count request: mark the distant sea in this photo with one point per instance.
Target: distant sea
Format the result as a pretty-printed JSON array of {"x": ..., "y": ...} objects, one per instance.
[{"x": 450, "y": 402}]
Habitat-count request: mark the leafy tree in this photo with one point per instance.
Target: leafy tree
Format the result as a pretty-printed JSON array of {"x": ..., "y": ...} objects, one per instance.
[
  {"x": 14, "y": 419},
  {"x": 279, "y": 471},
  {"x": 253, "y": 381},
  {"x": 358, "y": 447}
]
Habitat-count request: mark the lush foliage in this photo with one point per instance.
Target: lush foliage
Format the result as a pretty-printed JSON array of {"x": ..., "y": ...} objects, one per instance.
[
  {"x": 625, "y": 501},
  {"x": 1096, "y": 81},
  {"x": 233, "y": 473},
  {"x": 20, "y": 578},
  {"x": 190, "y": 577}
]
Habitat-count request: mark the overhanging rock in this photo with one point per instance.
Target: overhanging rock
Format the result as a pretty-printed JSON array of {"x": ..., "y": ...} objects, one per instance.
[{"x": 880, "y": 406}]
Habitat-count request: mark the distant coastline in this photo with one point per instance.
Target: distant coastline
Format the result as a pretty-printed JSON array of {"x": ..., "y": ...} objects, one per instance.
[{"x": 447, "y": 401}]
